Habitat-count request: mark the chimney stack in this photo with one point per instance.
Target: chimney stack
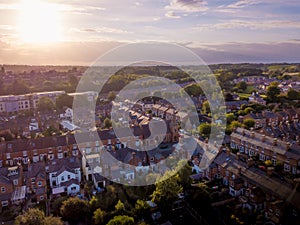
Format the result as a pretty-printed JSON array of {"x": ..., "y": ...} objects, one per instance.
[
  {"x": 239, "y": 170},
  {"x": 275, "y": 141},
  {"x": 288, "y": 145}
]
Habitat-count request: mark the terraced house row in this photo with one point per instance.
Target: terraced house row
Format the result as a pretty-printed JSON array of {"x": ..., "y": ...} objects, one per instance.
[{"x": 251, "y": 143}]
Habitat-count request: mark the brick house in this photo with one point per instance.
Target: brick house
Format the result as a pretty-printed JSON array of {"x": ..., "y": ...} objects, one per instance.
[{"x": 250, "y": 143}]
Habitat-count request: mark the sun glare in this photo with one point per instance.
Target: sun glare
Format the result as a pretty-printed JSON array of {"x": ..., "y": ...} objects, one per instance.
[{"x": 39, "y": 22}]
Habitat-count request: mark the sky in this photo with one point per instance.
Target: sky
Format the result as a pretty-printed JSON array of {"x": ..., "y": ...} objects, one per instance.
[{"x": 77, "y": 32}]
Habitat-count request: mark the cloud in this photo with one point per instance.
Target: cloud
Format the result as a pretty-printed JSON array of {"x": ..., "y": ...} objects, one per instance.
[
  {"x": 187, "y": 6},
  {"x": 171, "y": 14},
  {"x": 246, "y": 3},
  {"x": 253, "y": 25},
  {"x": 108, "y": 30}
]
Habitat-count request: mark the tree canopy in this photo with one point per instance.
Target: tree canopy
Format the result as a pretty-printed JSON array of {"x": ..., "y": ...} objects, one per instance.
[
  {"x": 74, "y": 210},
  {"x": 121, "y": 220},
  {"x": 35, "y": 216},
  {"x": 45, "y": 104},
  {"x": 273, "y": 92}
]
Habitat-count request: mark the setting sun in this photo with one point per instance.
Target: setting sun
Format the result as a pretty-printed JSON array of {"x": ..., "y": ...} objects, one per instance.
[{"x": 39, "y": 22}]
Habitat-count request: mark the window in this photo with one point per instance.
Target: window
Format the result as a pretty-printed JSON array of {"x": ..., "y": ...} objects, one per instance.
[
  {"x": 40, "y": 183},
  {"x": 88, "y": 150},
  {"x": 15, "y": 182},
  {"x": 60, "y": 155},
  {"x": 24, "y": 153},
  {"x": 35, "y": 158},
  {"x": 8, "y": 154},
  {"x": 25, "y": 160},
  {"x": 3, "y": 189},
  {"x": 287, "y": 167},
  {"x": 75, "y": 152},
  {"x": 262, "y": 157},
  {"x": 294, "y": 170},
  {"x": 51, "y": 157},
  {"x": 4, "y": 203},
  {"x": 62, "y": 178},
  {"x": 42, "y": 197},
  {"x": 69, "y": 177}
]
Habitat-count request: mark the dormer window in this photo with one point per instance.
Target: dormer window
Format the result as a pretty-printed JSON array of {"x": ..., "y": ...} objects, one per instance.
[{"x": 12, "y": 171}]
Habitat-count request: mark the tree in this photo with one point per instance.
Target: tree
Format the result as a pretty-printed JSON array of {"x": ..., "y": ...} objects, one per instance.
[
  {"x": 204, "y": 129},
  {"x": 184, "y": 173},
  {"x": 121, "y": 220},
  {"x": 141, "y": 209},
  {"x": 73, "y": 83},
  {"x": 107, "y": 123},
  {"x": 18, "y": 87},
  {"x": 293, "y": 94},
  {"x": 35, "y": 216},
  {"x": 119, "y": 207},
  {"x": 51, "y": 131},
  {"x": 64, "y": 101},
  {"x": 111, "y": 96},
  {"x": 206, "y": 107},
  {"x": 31, "y": 217},
  {"x": 242, "y": 85},
  {"x": 268, "y": 163},
  {"x": 99, "y": 216},
  {"x": 273, "y": 91},
  {"x": 249, "y": 123},
  {"x": 193, "y": 90},
  {"x": 235, "y": 124},
  {"x": 199, "y": 197},
  {"x": 56, "y": 205},
  {"x": 230, "y": 117},
  {"x": 51, "y": 220},
  {"x": 45, "y": 104},
  {"x": 74, "y": 210},
  {"x": 249, "y": 110},
  {"x": 166, "y": 190}
]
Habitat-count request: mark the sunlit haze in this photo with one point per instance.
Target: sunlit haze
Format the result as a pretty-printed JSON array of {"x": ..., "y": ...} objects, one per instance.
[
  {"x": 78, "y": 32},
  {"x": 39, "y": 22}
]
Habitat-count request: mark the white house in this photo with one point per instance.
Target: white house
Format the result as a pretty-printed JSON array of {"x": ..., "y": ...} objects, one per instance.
[
  {"x": 33, "y": 125},
  {"x": 64, "y": 176},
  {"x": 68, "y": 114}
]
